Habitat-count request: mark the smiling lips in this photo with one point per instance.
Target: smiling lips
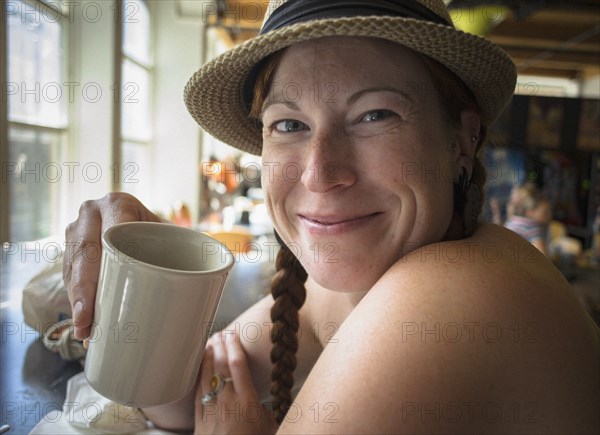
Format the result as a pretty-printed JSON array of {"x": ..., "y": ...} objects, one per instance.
[{"x": 331, "y": 224}]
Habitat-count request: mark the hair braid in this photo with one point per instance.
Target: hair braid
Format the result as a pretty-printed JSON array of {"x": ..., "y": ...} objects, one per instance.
[
  {"x": 468, "y": 199},
  {"x": 479, "y": 174},
  {"x": 289, "y": 294}
]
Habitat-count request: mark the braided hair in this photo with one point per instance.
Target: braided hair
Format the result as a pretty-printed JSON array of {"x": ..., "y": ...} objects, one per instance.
[
  {"x": 287, "y": 287},
  {"x": 289, "y": 294}
]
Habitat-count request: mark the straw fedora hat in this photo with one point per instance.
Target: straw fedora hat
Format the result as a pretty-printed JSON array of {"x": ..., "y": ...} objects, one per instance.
[{"x": 219, "y": 94}]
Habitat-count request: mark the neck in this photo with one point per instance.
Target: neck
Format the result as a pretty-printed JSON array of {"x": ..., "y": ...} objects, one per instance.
[{"x": 330, "y": 308}]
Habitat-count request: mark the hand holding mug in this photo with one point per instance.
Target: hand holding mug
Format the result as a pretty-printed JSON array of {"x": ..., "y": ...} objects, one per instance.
[{"x": 83, "y": 250}]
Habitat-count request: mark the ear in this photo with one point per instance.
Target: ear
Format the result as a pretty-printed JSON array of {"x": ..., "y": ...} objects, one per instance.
[{"x": 468, "y": 139}]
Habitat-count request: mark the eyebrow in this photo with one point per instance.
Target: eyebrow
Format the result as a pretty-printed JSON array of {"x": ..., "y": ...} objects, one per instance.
[
  {"x": 269, "y": 102},
  {"x": 354, "y": 97},
  {"x": 351, "y": 99}
]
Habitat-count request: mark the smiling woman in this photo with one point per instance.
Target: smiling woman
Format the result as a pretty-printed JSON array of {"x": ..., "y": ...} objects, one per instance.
[{"x": 392, "y": 309}]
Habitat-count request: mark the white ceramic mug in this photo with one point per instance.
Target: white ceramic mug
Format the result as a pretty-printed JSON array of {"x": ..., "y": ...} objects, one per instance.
[{"x": 157, "y": 295}]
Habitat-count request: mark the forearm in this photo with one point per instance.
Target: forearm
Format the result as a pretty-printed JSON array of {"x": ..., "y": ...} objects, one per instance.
[{"x": 177, "y": 416}]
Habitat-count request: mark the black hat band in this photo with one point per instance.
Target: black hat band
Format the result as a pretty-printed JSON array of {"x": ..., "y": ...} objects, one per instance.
[{"x": 300, "y": 11}]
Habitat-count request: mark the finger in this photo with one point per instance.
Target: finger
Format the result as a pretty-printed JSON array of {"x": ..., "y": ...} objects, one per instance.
[
  {"x": 118, "y": 207},
  {"x": 207, "y": 369},
  {"x": 82, "y": 267},
  {"x": 238, "y": 365},
  {"x": 220, "y": 354}
]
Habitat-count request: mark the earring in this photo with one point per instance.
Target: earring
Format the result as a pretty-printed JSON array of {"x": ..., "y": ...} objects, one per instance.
[
  {"x": 463, "y": 183},
  {"x": 474, "y": 139},
  {"x": 472, "y": 209}
]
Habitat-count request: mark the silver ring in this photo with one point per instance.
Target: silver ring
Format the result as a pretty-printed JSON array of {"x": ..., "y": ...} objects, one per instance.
[{"x": 208, "y": 397}]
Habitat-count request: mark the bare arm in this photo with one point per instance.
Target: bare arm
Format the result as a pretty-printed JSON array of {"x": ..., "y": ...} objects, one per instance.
[{"x": 486, "y": 344}]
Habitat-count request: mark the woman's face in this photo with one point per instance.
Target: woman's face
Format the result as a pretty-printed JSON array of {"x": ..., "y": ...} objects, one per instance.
[{"x": 358, "y": 160}]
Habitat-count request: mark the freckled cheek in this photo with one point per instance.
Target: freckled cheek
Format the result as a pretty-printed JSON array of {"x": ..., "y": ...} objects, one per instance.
[
  {"x": 278, "y": 179},
  {"x": 437, "y": 204},
  {"x": 281, "y": 170},
  {"x": 422, "y": 188},
  {"x": 424, "y": 172}
]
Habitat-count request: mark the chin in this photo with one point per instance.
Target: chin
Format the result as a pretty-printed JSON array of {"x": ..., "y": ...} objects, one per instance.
[{"x": 345, "y": 279}]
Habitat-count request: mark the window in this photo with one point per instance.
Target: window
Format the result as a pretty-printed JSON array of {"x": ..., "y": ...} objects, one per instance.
[
  {"x": 37, "y": 118},
  {"x": 37, "y": 110},
  {"x": 136, "y": 97}
]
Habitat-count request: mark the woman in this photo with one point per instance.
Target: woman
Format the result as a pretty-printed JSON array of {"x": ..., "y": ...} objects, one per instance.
[
  {"x": 395, "y": 311},
  {"x": 529, "y": 214}
]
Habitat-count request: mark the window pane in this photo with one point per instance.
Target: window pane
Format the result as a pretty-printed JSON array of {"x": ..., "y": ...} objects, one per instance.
[
  {"x": 135, "y": 122},
  {"x": 36, "y": 89},
  {"x": 135, "y": 170},
  {"x": 136, "y": 31},
  {"x": 34, "y": 175}
]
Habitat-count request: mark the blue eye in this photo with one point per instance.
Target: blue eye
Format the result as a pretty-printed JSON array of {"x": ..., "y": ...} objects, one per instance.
[
  {"x": 289, "y": 126},
  {"x": 377, "y": 115}
]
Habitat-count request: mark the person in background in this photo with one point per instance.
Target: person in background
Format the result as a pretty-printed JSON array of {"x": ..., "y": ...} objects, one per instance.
[{"x": 529, "y": 214}]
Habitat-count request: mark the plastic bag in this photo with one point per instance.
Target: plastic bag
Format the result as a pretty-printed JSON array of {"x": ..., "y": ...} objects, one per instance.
[
  {"x": 86, "y": 411},
  {"x": 45, "y": 299}
]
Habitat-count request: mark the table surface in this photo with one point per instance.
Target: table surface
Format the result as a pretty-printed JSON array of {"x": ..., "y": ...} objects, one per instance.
[{"x": 33, "y": 380}]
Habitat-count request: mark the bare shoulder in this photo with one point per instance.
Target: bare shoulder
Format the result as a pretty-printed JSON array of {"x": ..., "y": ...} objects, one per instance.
[
  {"x": 494, "y": 272},
  {"x": 459, "y": 337}
]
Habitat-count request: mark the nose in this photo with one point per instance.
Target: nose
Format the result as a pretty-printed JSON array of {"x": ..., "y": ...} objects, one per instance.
[{"x": 328, "y": 163}]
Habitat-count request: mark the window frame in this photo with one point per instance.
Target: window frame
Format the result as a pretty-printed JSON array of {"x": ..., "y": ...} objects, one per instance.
[
  {"x": 4, "y": 190},
  {"x": 122, "y": 57},
  {"x": 63, "y": 132}
]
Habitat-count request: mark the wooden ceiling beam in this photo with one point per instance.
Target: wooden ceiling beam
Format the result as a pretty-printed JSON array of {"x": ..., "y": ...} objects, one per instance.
[
  {"x": 581, "y": 39},
  {"x": 562, "y": 74},
  {"x": 543, "y": 44},
  {"x": 523, "y": 65},
  {"x": 556, "y": 56}
]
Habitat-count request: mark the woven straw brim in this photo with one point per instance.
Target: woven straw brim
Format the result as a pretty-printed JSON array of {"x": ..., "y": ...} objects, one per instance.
[{"x": 215, "y": 93}]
